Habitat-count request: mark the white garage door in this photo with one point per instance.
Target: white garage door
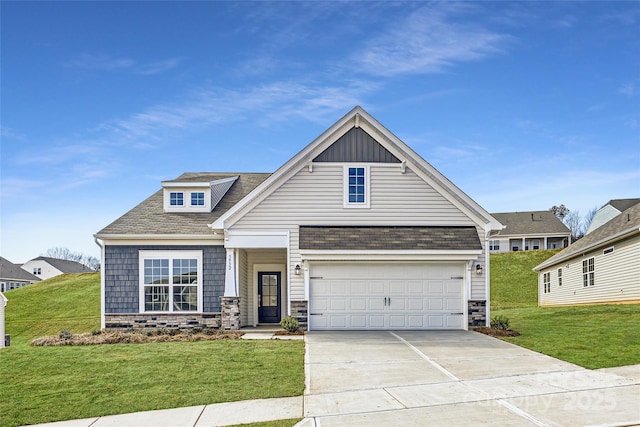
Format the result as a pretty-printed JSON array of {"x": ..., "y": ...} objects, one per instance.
[{"x": 386, "y": 296}]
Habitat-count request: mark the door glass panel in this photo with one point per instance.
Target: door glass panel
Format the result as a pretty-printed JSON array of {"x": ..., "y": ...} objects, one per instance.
[{"x": 269, "y": 290}]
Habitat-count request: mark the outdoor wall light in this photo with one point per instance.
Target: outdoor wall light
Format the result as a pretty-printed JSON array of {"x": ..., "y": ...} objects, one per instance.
[
  {"x": 478, "y": 269},
  {"x": 297, "y": 269}
]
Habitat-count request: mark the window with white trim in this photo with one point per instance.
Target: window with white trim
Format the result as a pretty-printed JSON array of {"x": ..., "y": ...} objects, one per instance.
[
  {"x": 356, "y": 186},
  {"x": 176, "y": 198},
  {"x": 37, "y": 270},
  {"x": 536, "y": 245},
  {"x": 494, "y": 245},
  {"x": 559, "y": 277},
  {"x": 588, "y": 272},
  {"x": 170, "y": 281},
  {"x": 197, "y": 198},
  {"x": 547, "y": 282}
]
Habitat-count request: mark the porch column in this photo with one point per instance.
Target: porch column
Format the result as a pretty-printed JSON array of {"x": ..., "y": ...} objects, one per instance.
[
  {"x": 230, "y": 286},
  {"x": 523, "y": 242},
  {"x": 545, "y": 243}
]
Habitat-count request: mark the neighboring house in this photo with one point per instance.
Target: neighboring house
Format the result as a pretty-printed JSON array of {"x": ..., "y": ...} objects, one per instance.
[
  {"x": 46, "y": 267},
  {"x": 532, "y": 230},
  {"x": 603, "y": 266},
  {"x": 356, "y": 231},
  {"x": 609, "y": 211},
  {"x": 14, "y": 277}
]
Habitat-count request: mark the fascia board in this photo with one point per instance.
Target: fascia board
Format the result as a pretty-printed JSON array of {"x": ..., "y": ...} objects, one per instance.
[
  {"x": 531, "y": 235},
  {"x": 185, "y": 239},
  {"x": 185, "y": 184},
  {"x": 590, "y": 247}
]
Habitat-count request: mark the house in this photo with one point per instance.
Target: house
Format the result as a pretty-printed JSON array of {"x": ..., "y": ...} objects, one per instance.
[
  {"x": 602, "y": 267},
  {"x": 46, "y": 267},
  {"x": 530, "y": 230},
  {"x": 356, "y": 231},
  {"x": 609, "y": 211},
  {"x": 14, "y": 277}
]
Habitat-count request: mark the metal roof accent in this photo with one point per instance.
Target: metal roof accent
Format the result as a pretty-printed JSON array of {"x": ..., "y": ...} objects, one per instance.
[{"x": 389, "y": 238}]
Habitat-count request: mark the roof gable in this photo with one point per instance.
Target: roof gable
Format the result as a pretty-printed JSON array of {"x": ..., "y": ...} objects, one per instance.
[
  {"x": 356, "y": 146},
  {"x": 9, "y": 270},
  {"x": 626, "y": 223},
  {"x": 64, "y": 265},
  {"x": 623, "y": 204},
  {"x": 358, "y": 118}
]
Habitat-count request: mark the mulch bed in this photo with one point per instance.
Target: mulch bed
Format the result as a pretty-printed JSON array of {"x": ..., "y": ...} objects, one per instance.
[
  {"x": 496, "y": 332},
  {"x": 132, "y": 337},
  {"x": 283, "y": 332}
]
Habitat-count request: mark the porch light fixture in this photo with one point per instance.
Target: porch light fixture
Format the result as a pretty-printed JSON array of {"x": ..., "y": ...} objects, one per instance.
[
  {"x": 478, "y": 269},
  {"x": 297, "y": 269}
]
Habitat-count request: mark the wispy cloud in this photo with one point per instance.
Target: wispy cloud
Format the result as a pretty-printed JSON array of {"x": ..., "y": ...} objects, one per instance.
[
  {"x": 428, "y": 41},
  {"x": 9, "y": 133},
  {"x": 104, "y": 62},
  {"x": 628, "y": 89}
]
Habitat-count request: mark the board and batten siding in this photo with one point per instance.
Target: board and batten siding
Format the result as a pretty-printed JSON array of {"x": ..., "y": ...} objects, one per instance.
[
  {"x": 616, "y": 277},
  {"x": 316, "y": 198}
]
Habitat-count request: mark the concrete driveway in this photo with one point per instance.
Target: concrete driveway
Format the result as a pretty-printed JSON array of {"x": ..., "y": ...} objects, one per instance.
[{"x": 452, "y": 378}]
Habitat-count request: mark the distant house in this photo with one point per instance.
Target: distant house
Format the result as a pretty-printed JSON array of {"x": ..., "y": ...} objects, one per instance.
[
  {"x": 609, "y": 211},
  {"x": 14, "y": 277},
  {"x": 531, "y": 230},
  {"x": 46, "y": 267},
  {"x": 603, "y": 266}
]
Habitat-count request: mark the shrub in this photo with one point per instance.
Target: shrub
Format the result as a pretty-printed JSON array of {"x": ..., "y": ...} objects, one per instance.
[
  {"x": 290, "y": 324},
  {"x": 96, "y": 332},
  {"x": 65, "y": 334},
  {"x": 500, "y": 322}
]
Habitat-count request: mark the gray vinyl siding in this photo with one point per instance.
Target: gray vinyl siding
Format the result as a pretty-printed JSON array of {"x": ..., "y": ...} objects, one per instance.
[
  {"x": 356, "y": 146},
  {"x": 121, "y": 272},
  {"x": 316, "y": 198},
  {"x": 617, "y": 277},
  {"x": 478, "y": 281}
]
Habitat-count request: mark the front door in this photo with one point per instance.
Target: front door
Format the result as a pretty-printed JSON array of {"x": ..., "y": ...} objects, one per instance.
[{"x": 269, "y": 297}]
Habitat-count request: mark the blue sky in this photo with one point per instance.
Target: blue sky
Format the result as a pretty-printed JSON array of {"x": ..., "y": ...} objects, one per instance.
[{"x": 522, "y": 105}]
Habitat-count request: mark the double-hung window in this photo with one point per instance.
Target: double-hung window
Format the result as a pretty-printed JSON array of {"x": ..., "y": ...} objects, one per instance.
[
  {"x": 547, "y": 282},
  {"x": 170, "y": 281},
  {"x": 356, "y": 186},
  {"x": 559, "y": 277},
  {"x": 197, "y": 198},
  {"x": 588, "y": 272},
  {"x": 176, "y": 198}
]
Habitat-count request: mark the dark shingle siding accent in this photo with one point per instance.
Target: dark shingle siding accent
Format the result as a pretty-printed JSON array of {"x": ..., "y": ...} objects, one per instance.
[
  {"x": 356, "y": 146},
  {"x": 389, "y": 238},
  {"x": 121, "y": 273}
]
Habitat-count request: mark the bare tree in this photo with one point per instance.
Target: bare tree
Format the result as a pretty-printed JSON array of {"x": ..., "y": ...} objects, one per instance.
[
  {"x": 64, "y": 253},
  {"x": 574, "y": 223}
]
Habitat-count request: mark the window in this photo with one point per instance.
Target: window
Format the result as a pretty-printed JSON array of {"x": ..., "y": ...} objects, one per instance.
[
  {"x": 547, "y": 282},
  {"x": 37, "y": 270},
  {"x": 170, "y": 281},
  {"x": 356, "y": 191},
  {"x": 197, "y": 198},
  {"x": 515, "y": 246},
  {"x": 494, "y": 245},
  {"x": 559, "y": 277},
  {"x": 588, "y": 272},
  {"x": 176, "y": 199},
  {"x": 536, "y": 245}
]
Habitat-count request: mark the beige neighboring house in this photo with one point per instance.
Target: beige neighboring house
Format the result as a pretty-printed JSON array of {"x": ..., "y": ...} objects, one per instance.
[
  {"x": 46, "y": 267},
  {"x": 14, "y": 277},
  {"x": 609, "y": 211},
  {"x": 529, "y": 230},
  {"x": 602, "y": 267}
]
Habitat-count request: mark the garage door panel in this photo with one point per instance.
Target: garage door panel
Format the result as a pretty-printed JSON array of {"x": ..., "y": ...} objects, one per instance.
[{"x": 386, "y": 296}]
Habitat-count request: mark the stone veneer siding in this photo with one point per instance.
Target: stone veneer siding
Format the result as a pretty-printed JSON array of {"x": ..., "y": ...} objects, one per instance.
[
  {"x": 121, "y": 276},
  {"x": 230, "y": 316},
  {"x": 162, "y": 321},
  {"x": 300, "y": 311},
  {"x": 477, "y": 313}
]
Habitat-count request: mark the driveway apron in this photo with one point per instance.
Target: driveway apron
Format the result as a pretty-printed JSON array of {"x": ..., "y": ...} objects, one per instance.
[{"x": 456, "y": 377}]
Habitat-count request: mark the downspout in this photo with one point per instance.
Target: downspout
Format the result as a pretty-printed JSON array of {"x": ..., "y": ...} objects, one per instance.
[
  {"x": 487, "y": 275},
  {"x": 102, "y": 282}
]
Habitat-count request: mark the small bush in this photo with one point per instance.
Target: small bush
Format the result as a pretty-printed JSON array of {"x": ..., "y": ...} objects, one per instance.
[
  {"x": 96, "y": 332},
  {"x": 290, "y": 324},
  {"x": 65, "y": 334},
  {"x": 500, "y": 322}
]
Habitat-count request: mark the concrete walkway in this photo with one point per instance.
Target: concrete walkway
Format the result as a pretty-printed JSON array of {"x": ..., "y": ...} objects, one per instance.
[{"x": 423, "y": 378}]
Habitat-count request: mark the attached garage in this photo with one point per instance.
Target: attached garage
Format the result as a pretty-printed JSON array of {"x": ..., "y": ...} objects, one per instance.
[{"x": 386, "y": 296}]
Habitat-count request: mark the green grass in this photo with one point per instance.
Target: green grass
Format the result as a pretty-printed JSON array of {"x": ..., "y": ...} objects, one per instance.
[
  {"x": 44, "y": 384},
  {"x": 592, "y": 336}
]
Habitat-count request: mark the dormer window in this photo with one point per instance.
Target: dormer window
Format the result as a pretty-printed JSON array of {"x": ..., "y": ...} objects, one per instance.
[
  {"x": 197, "y": 198},
  {"x": 356, "y": 186},
  {"x": 176, "y": 198}
]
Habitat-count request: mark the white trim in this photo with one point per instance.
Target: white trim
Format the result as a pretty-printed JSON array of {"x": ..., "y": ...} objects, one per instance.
[
  {"x": 284, "y": 283},
  {"x": 185, "y": 184},
  {"x": 230, "y": 274},
  {"x": 171, "y": 255},
  {"x": 103, "y": 319},
  {"x": 163, "y": 239},
  {"x": 345, "y": 186},
  {"x": 247, "y": 239}
]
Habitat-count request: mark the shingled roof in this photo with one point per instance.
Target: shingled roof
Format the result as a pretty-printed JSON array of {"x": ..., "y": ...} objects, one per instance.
[
  {"x": 64, "y": 265},
  {"x": 623, "y": 204},
  {"x": 530, "y": 223},
  {"x": 626, "y": 223},
  {"x": 150, "y": 218},
  {"x": 11, "y": 271},
  {"x": 389, "y": 238}
]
